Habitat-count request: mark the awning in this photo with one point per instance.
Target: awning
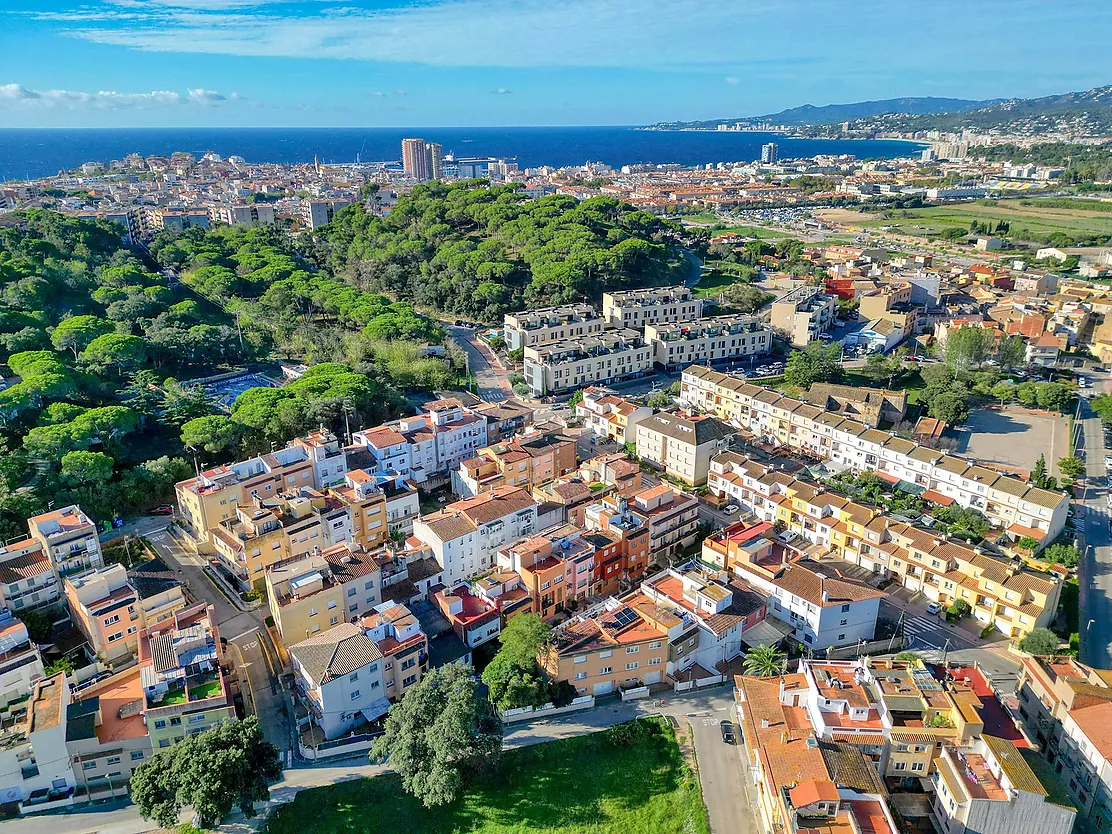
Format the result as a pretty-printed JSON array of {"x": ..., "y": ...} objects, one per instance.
[
  {"x": 768, "y": 632},
  {"x": 909, "y": 487},
  {"x": 937, "y": 498},
  {"x": 376, "y": 710},
  {"x": 884, "y": 476}
]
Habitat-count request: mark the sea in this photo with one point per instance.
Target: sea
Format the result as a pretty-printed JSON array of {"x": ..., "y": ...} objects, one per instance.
[{"x": 29, "y": 153}]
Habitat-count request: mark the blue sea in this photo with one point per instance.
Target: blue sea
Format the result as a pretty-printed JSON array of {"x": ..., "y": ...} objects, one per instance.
[{"x": 31, "y": 153}]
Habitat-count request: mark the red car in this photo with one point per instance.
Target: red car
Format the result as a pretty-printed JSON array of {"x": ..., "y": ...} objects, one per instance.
[{"x": 165, "y": 509}]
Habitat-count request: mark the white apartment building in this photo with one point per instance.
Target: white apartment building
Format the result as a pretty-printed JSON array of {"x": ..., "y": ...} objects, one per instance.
[
  {"x": 606, "y": 357},
  {"x": 682, "y": 445},
  {"x": 34, "y": 762},
  {"x": 61, "y": 542},
  {"x": 27, "y": 579},
  {"x": 465, "y": 536},
  {"x": 429, "y": 445},
  {"x": 636, "y": 309},
  {"x": 1007, "y": 502},
  {"x": 20, "y": 661},
  {"x": 709, "y": 340},
  {"x": 253, "y": 214},
  {"x": 551, "y": 324},
  {"x": 803, "y": 314}
]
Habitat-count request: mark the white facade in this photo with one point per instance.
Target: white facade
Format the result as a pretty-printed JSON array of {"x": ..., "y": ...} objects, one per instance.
[{"x": 33, "y": 755}]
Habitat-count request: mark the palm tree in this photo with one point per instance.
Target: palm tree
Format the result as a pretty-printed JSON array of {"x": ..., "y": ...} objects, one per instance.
[{"x": 764, "y": 662}]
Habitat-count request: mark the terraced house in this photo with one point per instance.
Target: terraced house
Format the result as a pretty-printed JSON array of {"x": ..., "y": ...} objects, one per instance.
[
  {"x": 1008, "y": 502},
  {"x": 1000, "y": 592}
]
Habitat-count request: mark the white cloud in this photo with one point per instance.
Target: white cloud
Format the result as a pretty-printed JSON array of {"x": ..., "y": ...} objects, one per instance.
[
  {"x": 17, "y": 94},
  {"x": 502, "y": 91},
  {"x": 732, "y": 79},
  {"x": 378, "y": 94}
]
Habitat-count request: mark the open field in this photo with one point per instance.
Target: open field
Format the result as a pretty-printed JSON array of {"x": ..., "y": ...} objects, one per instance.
[
  {"x": 1034, "y": 220},
  {"x": 711, "y": 283},
  {"x": 911, "y": 383},
  {"x": 1014, "y": 438},
  {"x": 575, "y": 786}
]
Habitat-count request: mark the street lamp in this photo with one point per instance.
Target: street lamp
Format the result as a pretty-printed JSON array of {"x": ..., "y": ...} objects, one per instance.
[{"x": 1089, "y": 624}]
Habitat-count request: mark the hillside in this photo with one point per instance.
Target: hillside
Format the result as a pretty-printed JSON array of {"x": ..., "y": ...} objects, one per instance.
[{"x": 810, "y": 114}]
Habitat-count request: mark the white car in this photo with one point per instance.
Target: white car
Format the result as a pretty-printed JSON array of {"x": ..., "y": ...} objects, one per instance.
[
  {"x": 730, "y": 509},
  {"x": 933, "y": 607},
  {"x": 1108, "y": 461}
]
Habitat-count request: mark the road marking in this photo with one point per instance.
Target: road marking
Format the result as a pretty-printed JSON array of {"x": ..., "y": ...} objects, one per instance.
[{"x": 249, "y": 631}]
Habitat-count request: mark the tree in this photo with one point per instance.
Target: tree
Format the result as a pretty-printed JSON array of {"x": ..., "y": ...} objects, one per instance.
[
  {"x": 949, "y": 407},
  {"x": 215, "y": 434},
  {"x": 1004, "y": 391},
  {"x": 227, "y": 765},
  {"x": 659, "y": 400},
  {"x": 513, "y": 677},
  {"x": 77, "y": 332},
  {"x": 1040, "y": 642},
  {"x": 816, "y": 363},
  {"x": 1072, "y": 466},
  {"x": 442, "y": 735},
  {"x": 967, "y": 347},
  {"x": 764, "y": 661},
  {"x": 114, "y": 350},
  {"x": 1063, "y": 554},
  {"x": 1012, "y": 353},
  {"x": 87, "y": 467},
  {"x": 1038, "y": 474},
  {"x": 746, "y": 298},
  {"x": 1054, "y": 396}
]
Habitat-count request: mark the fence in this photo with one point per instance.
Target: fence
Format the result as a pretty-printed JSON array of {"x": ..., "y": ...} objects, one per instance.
[
  {"x": 525, "y": 713},
  {"x": 635, "y": 693},
  {"x": 684, "y": 686},
  {"x": 893, "y": 644},
  {"x": 348, "y": 746}
]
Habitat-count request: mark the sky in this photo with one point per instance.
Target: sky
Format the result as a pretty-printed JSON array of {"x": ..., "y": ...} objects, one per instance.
[{"x": 323, "y": 63}]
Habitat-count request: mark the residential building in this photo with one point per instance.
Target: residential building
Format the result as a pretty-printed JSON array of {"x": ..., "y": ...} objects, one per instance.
[
  {"x": 672, "y": 518},
  {"x": 426, "y": 447},
  {"x": 532, "y": 328},
  {"x": 20, "y": 662},
  {"x": 317, "y": 213},
  {"x": 106, "y": 608},
  {"x": 613, "y": 645},
  {"x": 1044, "y": 350},
  {"x": 415, "y": 159},
  {"x": 531, "y": 458},
  {"x": 613, "y": 516},
  {"x": 159, "y": 590},
  {"x": 1008, "y": 502},
  {"x": 505, "y": 418},
  {"x": 474, "y": 619},
  {"x": 35, "y": 766},
  {"x": 69, "y": 538},
  {"x": 768, "y": 153},
  {"x": 635, "y": 309},
  {"x": 682, "y": 444},
  {"x": 436, "y": 160},
  {"x": 339, "y": 674},
  {"x": 252, "y": 214},
  {"x": 803, "y": 314},
  {"x": 27, "y": 578},
  {"x": 610, "y": 416},
  {"x": 1000, "y": 592},
  {"x": 868, "y": 405},
  {"x": 555, "y": 568},
  {"x": 106, "y": 735},
  {"x": 184, "y": 691},
  {"x": 397, "y": 634},
  {"x": 465, "y": 536},
  {"x": 990, "y": 786},
  {"x": 318, "y": 591},
  {"x": 606, "y": 357},
  {"x": 710, "y": 340}
]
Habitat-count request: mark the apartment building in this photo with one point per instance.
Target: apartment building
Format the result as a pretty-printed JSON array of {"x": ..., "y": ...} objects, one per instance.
[
  {"x": 61, "y": 542},
  {"x": 27, "y": 578},
  {"x": 35, "y": 765},
  {"x": 106, "y": 736},
  {"x": 611, "y": 416},
  {"x": 339, "y": 674},
  {"x": 1066, "y": 707},
  {"x": 405, "y": 647},
  {"x": 611, "y": 646},
  {"x": 531, "y": 458},
  {"x": 614, "y": 517},
  {"x": 532, "y": 328},
  {"x": 803, "y": 314},
  {"x": 109, "y": 611},
  {"x": 505, "y": 418},
  {"x": 316, "y": 592},
  {"x": 183, "y": 688},
  {"x": 317, "y": 213},
  {"x": 20, "y": 662},
  {"x": 1000, "y": 592},
  {"x": 710, "y": 340},
  {"x": 1008, "y": 502},
  {"x": 636, "y": 309},
  {"x": 426, "y": 446},
  {"x": 682, "y": 444},
  {"x": 253, "y": 214},
  {"x": 990, "y": 786},
  {"x": 606, "y": 357},
  {"x": 465, "y": 536},
  {"x": 562, "y": 566},
  {"x": 672, "y": 518},
  {"x": 474, "y": 618}
]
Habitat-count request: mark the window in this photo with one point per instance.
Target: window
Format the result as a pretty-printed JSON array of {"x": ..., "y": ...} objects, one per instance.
[
  {"x": 333, "y": 621},
  {"x": 331, "y": 604},
  {"x": 632, "y": 649},
  {"x": 113, "y": 760},
  {"x": 605, "y": 654},
  {"x": 605, "y": 670},
  {"x": 841, "y": 637},
  {"x": 368, "y": 586},
  {"x": 164, "y": 742},
  {"x": 408, "y": 663},
  {"x": 312, "y": 612},
  {"x": 845, "y": 608},
  {"x": 843, "y": 622},
  {"x": 89, "y": 766},
  {"x": 197, "y": 719},
  {"x": 112, "y": 638},
  {"x": 136, "y": 755},
  {"x": 354, "y": 694},
  {"x": 175, "y": 721},
  {"x": 412, "y": 679},
  {"x": 581, "y": 659},
  {"x": 580, "y": 676},
  {"x": 159, "y": 724},
  {"x": 353, "y": 677},
  {"x": 655, "y": 644},
  {"x": 917, "y": 766},
  {"x": 901, "y": 765},
  {"x": 654, "y": 661},
  {"x": 115, "y": 618},
  {"x": 633, "y": 665}
]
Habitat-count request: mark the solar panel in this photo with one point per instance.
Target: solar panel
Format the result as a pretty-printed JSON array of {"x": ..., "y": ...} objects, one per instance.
[{"x": 624, "y": 616}]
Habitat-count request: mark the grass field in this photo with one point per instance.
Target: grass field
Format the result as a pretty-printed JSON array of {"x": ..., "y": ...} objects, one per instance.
[
  {"x": 1038, "y": 220},
  {"x": 711, "y": 283},
  {"x": 582, "y": 785},
  {"x": 911, "y": 383}
]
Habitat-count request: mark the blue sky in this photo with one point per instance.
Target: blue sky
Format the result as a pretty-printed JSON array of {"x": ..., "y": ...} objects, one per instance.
[{"x": 523, "y": 62}]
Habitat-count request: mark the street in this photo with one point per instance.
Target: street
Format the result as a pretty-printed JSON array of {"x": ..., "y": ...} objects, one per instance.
[
  {"x": 490, "y": 382},
  {"x": 1092, "y": 520}
]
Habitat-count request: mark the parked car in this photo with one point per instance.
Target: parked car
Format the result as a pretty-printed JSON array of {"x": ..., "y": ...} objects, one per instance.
[
  {"x": 727, "y": 729},
  {"x": 730, "y": 509},
  {"x": 165, "y": 509},
  {"x": 933, "y": 607}
]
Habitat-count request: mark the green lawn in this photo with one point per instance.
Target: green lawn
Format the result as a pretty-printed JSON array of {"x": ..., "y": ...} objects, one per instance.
[
  {"x": 1038, "y": 220},
  {"x": 711, "y": 283},
  {"x": 911, "y": 383},
  {"x": 581, "y": 785},
  {"x": 205, "y": 690}
]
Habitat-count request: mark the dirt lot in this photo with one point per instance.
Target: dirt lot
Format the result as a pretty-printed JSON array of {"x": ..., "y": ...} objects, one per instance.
[{"x": 1014, "y": 438}]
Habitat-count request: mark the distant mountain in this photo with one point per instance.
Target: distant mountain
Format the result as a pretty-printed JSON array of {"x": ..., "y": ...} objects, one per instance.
[{"x": 1084, "y": 111}]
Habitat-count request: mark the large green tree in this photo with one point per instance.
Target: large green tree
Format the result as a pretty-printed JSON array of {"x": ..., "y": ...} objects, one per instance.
[
  {"x": 229, "y": 765},
  {"x": 442, "y": 735},
  {"x": 76, "y": 333},
  {"x": 513, "y": 676},
  {"x": 815, "y": 363},
  {"x": 764, "y": 661},
  {"x": 1041, "y": 642},
  {"x": 967, "y": 347}
]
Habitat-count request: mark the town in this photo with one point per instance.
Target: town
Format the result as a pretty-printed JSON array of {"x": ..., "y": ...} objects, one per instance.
[{"x": 812, "y": 493}]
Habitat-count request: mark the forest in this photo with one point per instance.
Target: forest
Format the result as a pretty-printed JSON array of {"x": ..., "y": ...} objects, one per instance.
[{"x": 475, "y": 251}]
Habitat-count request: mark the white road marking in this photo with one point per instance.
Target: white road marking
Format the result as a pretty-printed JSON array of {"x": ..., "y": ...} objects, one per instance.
[{"x": 249, "y": 631}]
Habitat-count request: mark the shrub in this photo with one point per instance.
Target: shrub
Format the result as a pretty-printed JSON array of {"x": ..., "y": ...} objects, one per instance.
[{"x": 632, "y": 732}]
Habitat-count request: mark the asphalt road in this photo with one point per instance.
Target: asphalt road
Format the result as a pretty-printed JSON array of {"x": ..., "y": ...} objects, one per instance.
[
  {"x": 1093, "y": 535},
  {"x": 492, "y": 384}
]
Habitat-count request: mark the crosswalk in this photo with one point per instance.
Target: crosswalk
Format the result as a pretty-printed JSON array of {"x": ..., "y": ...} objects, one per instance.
[
  {"x": 923, "y": 631},
  {"x": 493, "y": 396}
]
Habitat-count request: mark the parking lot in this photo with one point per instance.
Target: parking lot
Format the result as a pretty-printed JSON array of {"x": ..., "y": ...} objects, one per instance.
[{"x": 1013, "y": 437}]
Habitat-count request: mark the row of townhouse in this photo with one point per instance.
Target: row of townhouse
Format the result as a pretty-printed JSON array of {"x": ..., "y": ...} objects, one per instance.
[
  {"x": 1008, "y": 502},
  {"x": 350, "y": 674},
  {"x": 60, "y": 543},
  {"x": 427, "y": 446},
  {"x": 1066, "y": 707},
  {"x": 818, "y": 742},
  {"x": 1000, "y": 592},
  {"x": 366, "y": 510},
  {"x": 533, "y": 457}
]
